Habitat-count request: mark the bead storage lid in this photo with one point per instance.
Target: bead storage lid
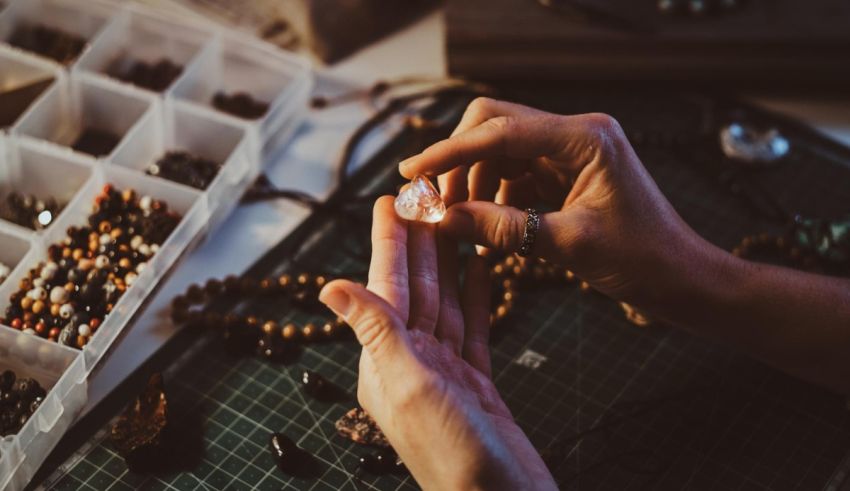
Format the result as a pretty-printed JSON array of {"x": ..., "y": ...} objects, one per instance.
[{"x": 87, "y": 92}]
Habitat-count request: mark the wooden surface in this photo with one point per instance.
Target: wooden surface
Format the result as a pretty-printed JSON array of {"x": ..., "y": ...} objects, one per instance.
[{"x": 766, "y": 42}]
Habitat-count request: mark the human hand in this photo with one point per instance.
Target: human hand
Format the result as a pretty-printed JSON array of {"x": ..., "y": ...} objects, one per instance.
[
  {"x": 425, "y": 368},
  {"x": 613, "y": 227}
]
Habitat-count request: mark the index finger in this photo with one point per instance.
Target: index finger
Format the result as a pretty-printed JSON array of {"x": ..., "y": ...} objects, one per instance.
[
  {"x": 575, "y": 140},
  {"x": 388, "y": 275}
]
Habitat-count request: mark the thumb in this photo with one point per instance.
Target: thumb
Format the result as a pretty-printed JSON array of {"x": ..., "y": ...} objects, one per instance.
[
  {"x": 500, "y": 227},
  {"x": 375, "y": 323}
]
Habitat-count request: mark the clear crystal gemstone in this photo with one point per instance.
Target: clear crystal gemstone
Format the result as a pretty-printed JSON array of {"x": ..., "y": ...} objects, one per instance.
[
  {"x": 419, "y": 201},
  {"x": 746, "y": 143}
]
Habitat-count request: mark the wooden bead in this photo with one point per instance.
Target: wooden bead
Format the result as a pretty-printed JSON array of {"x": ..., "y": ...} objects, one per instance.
[
  {"x": 310, "y": 332},
  {"x": 303, "y": 279},
  {"x": 213, "y": 287},
  {"x": 569, "y": 275},
  {"x": 584, "y": 286},
  {"x": 269, "y": 327},
  {"x": 195, "y": 294},
  {"x": 26, "y": 303},
  {"x": 289, "y": 332},
  {"x": 510, "y": 261},
  {"x": 320, "y": 281},
  {"x": 329, "y": 330},
  {"x": 37, "y": 307},
  {"x": 284, "y": 281},
  {"x": 508, "y": 296},
  {"x": 502, "y": 311},
  {"x": 267, "y": 285},
  {"x": 232, "y": 284}
]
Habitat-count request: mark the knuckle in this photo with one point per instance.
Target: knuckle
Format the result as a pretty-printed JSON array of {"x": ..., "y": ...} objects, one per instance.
[
  {"x": 607, "y": 132},
  {"x": 506, "y": 231},
  {"x": 372, "y": 329},
  {"x": 479, "y": 106}
]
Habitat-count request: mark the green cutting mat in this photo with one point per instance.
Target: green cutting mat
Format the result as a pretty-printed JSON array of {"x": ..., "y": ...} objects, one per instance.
[{"x": 619, "y": 407}]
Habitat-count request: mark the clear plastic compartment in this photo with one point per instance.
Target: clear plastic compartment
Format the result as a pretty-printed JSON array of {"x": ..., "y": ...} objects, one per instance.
[
  {"x": 52, "y": 366},
  {"x": 35, "y": 150},
  {"x": 31, "y": 170},
  {"x": 68, "y": 110},
  {"x": 17, "y": 70},
  {"x": 189, "y": 129},
  {"x": 143, "y": 37},
  {"x": 231, "y": 66},
  {"x": 81, "y": 19}
]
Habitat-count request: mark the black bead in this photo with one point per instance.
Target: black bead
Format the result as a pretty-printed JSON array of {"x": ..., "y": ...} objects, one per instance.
[{"x": 7, "y": 379}]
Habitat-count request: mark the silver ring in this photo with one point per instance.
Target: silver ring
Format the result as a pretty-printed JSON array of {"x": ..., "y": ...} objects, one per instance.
[{"x": 532, "y": 225}]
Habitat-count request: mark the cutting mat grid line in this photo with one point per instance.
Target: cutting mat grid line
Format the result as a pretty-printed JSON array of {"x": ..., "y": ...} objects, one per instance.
[{"x": 627, "y": 408}]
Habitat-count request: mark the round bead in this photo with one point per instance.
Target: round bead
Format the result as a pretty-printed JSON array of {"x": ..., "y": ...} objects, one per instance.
[
  {"x": 213, "y": 287},
  {"x": 329, "y": 330},
  {"x": 195, "y": 293},
  {"x": 101, "y": 262},
  {"x": 58, "y": 294},
  {"x": 37, "y": 307},
  {"x": 284, "y": 281},
  {"x": 37, "y": 293},
  {"x": 130, "y": 277},
  {"x": 269, "y": 327},
  {"x": 26, "y": 303},
  {"x": 136, "y": 241},
  {"x": 84, "y": 330},
  {"x": 289, "y": 332},
  {"x": 66, "y": 311},
  {"x": 310, "y": 332}
]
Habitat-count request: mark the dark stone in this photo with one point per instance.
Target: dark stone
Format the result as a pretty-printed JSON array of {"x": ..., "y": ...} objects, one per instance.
[
  {"x": 321, "y": 389},
  {"x": 291, "y": 459}
]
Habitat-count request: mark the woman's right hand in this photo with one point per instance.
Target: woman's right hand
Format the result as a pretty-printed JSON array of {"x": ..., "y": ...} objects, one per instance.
[{"x": 613, "y": 228}]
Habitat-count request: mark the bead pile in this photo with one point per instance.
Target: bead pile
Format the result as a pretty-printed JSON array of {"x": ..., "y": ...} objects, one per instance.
[
  {"x": 19, "y": 399},
  {"x": 52, "y": 43},
  {"x": 28, "y": 210},
  {"x": 66, "y": 298},
  {"x": 240, "y": 104},
  {"x": 185, "y": 168},
  {"x": 154, "y": 76}
]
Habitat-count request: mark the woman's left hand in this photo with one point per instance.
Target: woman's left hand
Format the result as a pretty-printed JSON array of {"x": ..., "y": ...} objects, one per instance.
[{"x": 425, "y": 364}]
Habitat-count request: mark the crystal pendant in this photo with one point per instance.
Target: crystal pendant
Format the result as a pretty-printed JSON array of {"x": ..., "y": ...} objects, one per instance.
[
  {"x": 748, "y": 144},
  {"x": 419, "y": 201}
]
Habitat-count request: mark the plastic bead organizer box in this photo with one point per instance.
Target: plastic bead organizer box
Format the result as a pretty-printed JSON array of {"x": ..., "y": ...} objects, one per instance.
[{"x": 81, "y": 94}]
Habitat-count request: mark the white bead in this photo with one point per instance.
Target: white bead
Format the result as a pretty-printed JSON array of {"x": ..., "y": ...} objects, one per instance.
[
  {"x": 37, "y": 293},
  {"x": 84, "y": 330},
  {"x": 105, "y": 239},
  {"x": 145, "y": 203},
  {"x": 154, "y": 248},
  {"x": 38, "y": 282},
  {"x": 66, "y": 311},
  {"x": 130, "y": 277},
  {"x": 58, "y": 294},
  {"x": 145, "y": 250},
  {"x": 48, "y": 271},
  {"x": 141, "y": 267},
  {"x": 136, "y": 241},
  {"x": 101, "y": 262}
]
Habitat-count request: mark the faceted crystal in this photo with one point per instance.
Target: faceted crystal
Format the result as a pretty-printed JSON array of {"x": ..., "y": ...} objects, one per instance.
[{"x": 419, "y": 201}]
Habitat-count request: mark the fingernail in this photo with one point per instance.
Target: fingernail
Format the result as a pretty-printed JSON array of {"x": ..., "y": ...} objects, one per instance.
[{"x": 336, "y": 299}]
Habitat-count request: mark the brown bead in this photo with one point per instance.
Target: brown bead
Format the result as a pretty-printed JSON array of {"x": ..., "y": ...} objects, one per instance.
[
  {"x": 310, "y": 332},
  {"x": 249, "y": 286},
  {"x": 266, "y": 285},
  {"x": 517, "y": 270},
  {"x": 320, "y": 282},
  {"x": 584, "y": 286},
  {"x": 252, "y": 322},
  {"x": 303, "y": 279},
  {"x": 212, "y": 319},
  {"x": 284, "y": 281},
  {"x": 70, "y": 286},
  {"x": 508, "y": 296},
  {"x": 28, "y": 316},
  {"x": 53, "y": 333},
  {"x": 509, "y": 284},
  {"x": 94, "y": 245},
  {"x": 17, "y": 323},
  {"x": 499, "y": 269},
  {"x": 510, "y": 261},
  {"x": 213, "y": 287},
  {"x": 180, "y": 302},
  {"x": 94, "y": 323},
  {"x": 569, "y": 275},
  {"x": 125, "y": 263},
  {"x": 26, "y": 303},
  {"x": 24, "y": 284},
  {"x": 37, "y": 307},
  {"x": 104, "y": 227},
  {"x": 77, "y": 254},
  {"x": 502, "y": 311},
  {"x": 232, "y": 284},
  {"x": 195, "y": 293},
  {"x": 54, "y": 309},
  {"x": 40, "y": 328},
  {"x": 116, "y": 233},
  {"x": 269, "y": 327},
  {"x": 66, "y": 252},
  {"x": 289, "y": 332}
]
